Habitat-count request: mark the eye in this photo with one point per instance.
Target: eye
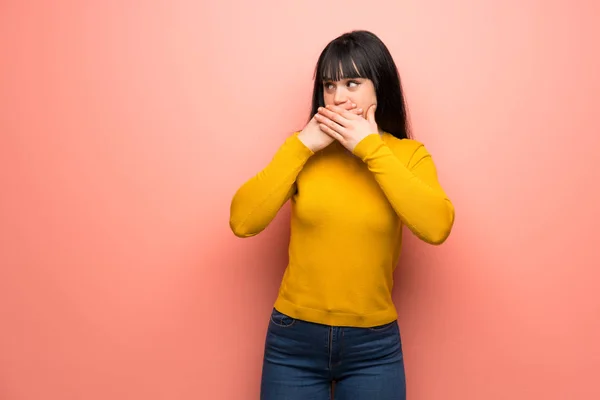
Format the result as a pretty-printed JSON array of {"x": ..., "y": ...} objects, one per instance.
[
  {"x": 328, "y": 85},
  {"x": 353, "y": 83}
]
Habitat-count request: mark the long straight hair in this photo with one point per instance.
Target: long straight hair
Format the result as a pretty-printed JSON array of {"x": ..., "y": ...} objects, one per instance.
[{"x": 361, "y": 54}]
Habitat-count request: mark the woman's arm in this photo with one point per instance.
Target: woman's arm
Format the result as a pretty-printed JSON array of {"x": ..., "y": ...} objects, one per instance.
[
  {"x": 257, "y": 201},
  {"x": 413, "y": 191}
]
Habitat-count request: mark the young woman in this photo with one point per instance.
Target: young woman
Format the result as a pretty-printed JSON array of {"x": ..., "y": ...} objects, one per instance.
[{"x": 354, "y": 178}]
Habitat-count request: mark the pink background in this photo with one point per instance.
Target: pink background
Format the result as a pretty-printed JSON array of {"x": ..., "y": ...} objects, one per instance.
[{"x": 126, "y": 127}]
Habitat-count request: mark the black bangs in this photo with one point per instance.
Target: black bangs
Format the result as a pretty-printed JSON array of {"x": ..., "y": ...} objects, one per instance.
[{"x": 345, "y": 60}]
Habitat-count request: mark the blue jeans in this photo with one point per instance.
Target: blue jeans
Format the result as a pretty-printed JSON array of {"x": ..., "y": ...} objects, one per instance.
[{"x": 303, "y": 359}]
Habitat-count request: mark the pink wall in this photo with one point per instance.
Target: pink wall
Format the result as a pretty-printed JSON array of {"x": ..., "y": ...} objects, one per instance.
[{"x": 126, "y": 128}]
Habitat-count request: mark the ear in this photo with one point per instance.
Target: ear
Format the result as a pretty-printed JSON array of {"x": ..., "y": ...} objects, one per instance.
[{"x": 371, "y": 113}]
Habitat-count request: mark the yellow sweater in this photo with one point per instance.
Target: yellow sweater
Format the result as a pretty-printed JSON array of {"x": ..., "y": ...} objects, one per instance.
[{"x": 346, "y": 223}]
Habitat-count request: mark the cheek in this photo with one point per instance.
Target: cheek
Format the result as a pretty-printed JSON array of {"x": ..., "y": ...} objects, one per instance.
[
  {"x": 370, "y": 97},
  {"x": 328, "y": 99}
]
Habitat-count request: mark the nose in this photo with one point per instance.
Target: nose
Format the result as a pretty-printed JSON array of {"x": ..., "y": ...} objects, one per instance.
[{"x": 341, "y": 96}]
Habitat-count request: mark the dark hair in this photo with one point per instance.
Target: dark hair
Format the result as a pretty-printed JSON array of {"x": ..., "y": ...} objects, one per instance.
[{"x": 361, "y": 54}]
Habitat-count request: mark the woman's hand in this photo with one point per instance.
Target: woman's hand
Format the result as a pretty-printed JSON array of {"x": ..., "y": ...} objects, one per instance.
[
  {"x": 315, "y": 138},
  {"x": 346, "y": 127}
]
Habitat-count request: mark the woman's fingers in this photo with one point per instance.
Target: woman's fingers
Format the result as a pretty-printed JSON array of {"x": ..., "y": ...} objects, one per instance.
[
  {"x": 338, "y": 117},
  {"x": 331, "y": 120},
  {"x": 342, "y": 112},
  {"x": 337, "y": 136},
  {"x": 348, "y": 105},
  {"x": 351, "y": 107}
]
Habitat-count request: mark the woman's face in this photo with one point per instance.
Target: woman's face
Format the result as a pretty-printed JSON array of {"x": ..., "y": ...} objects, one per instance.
[{"x": 359, "y": 91}]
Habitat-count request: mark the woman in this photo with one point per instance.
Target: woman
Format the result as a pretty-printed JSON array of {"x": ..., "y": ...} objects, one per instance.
[{"x": 354, "y": 179}]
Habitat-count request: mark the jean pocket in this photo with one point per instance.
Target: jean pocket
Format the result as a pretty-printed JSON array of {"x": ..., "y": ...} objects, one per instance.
[
  {"x": 384, "y": 327},
  {"x": 281, "y": 320}
]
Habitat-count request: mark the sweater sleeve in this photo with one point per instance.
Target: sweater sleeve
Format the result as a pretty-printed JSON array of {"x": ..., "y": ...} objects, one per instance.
[
  {"x": 413, "y": 191},
  {"x": 258, "y": 200}
]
